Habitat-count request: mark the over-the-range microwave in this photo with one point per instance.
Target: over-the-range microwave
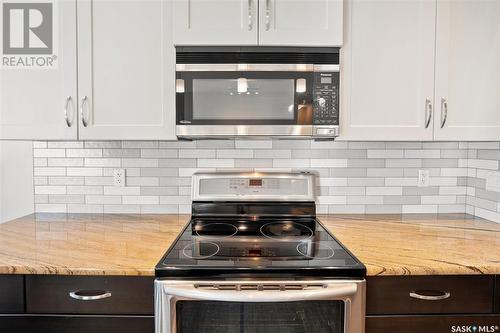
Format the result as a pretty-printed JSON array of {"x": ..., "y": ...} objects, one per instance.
[{"x": 257, "y": 92}]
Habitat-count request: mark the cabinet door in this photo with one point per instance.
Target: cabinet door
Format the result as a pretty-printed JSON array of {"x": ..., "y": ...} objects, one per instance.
[
  {"x": 34, "y": 100},
  {"x": 126, "y": 72},
  {"x": 388, "y": 70},
  {"x": 300, "y": 22},
  {"x": 468, "y": 70},
  {"x": 215, "y": 22}
]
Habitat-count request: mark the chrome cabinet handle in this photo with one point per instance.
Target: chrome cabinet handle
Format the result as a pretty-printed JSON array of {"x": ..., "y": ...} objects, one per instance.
[
  {"x": 250, "y": 16},
  {"x": 82, "y": 104},
  {"x": 428, "y": 112},
  {"x": 444, "y": 111},
  {"x": 418, "y": 295},
  {"x": 89, "y": 295},
  {"x": 69, "y": 122},
  {"x": 268, "y": 15}
]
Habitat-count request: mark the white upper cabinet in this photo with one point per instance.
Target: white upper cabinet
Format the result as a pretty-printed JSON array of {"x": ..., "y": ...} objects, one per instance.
[
  {"x": 388, "y": 70},
  {"x": 215, "y": 22},
  {"x": 468, "y": 70},
  {"x": 300, "y": 22},
  {"x": 34, "y": 100},
  {"x": 126, "y": 70}
]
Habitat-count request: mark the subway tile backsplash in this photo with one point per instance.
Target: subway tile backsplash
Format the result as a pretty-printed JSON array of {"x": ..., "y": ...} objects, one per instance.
[{"x": 354, "y": 177}]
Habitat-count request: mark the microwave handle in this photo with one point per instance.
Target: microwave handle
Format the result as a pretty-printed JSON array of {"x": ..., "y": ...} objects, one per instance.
[{"x": 331, "y": 291}]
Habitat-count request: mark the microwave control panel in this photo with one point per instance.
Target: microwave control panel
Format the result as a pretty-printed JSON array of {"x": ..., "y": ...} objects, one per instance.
[{"x": 326, "y": 98}]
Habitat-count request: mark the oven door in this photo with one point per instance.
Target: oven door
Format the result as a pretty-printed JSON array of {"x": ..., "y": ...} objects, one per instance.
[
  {"x": 251, "y": 102},
  {"x": 336, "y": 306}
]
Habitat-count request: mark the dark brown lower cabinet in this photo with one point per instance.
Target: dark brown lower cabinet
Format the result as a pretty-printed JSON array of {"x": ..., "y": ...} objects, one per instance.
[
  {"x": 11, "y": 294},
  {"x": 76, "y": 324},
  {"x": 433, "y": 323},
  {"x": 497, "y": 294}
]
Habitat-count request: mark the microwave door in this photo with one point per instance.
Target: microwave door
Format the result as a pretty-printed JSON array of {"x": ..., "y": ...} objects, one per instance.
[{"x": 245, "y": 103}]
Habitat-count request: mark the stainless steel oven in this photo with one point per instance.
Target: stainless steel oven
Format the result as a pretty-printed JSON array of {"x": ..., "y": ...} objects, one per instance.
[
  {"x": 255, "y": 258},
  {"x": 279, "y": 306},
  {"x": 284, "y": 92}
]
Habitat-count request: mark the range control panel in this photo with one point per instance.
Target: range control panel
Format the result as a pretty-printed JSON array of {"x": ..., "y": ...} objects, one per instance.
[{"x": 326, "y": 98}]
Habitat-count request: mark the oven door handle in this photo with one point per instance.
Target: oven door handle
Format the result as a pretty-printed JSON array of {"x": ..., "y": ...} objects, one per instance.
[{"x": 330, "y": 291}]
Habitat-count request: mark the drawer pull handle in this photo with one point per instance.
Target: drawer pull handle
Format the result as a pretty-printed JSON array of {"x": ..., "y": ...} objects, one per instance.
[
  {"x": 430, "y": 295},
  {"x": 89, "y": 295}
]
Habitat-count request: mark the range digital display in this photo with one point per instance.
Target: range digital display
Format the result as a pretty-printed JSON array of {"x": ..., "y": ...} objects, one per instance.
[{"x": 255, "y": 182}]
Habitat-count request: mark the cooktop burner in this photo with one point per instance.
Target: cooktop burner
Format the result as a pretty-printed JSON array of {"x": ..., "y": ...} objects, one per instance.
[
  {"x": 282, "y": 231},
  {"x": 215, "y": 230}
]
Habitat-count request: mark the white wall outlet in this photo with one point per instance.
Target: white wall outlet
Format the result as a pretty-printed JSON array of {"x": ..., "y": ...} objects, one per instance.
[
  {"x": 119, "y": 177},
  {"x": 493, "y": 182},
  {"x": 423, "y": 178}
]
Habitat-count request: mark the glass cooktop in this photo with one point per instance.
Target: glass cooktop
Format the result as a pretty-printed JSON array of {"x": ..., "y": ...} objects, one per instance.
[{"x": 281, "y": 247}]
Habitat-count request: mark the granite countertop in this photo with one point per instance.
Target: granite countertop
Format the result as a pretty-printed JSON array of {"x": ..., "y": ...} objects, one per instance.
[{"x": 133, "y": 244}]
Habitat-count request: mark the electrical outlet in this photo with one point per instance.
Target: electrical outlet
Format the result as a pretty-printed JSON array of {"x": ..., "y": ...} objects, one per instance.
[
  {"x": 119, "y": 177},
  {"x": 493, "y": 182},
  {"x": 423, "y": 178}
]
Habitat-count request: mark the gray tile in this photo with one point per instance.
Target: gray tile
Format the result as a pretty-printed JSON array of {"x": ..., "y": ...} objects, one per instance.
[
  {"x": 159, "y": 153},
  {"x": 215, "y": 144},
  {"x": 489, "y": 154},
  {"x": 103, "y": 144},
  {"x": 177, "y": 163},
  {"x": 384, "y": 172},
  {"x": 66, "y": 199},
  {"x": 403, "y": 163},
  {"x": 401, "y": 200},
  {"x": 253, "y": 163},
  {"x": 440, "y": 163},
  {"x": 310, "y": 153},
  {"x": 365, "y": 181},
  {"x": 413, "y": 190},
  {"x": 348, "y": 172},
  {"x": 160, "y": 190},
  {"x": 383, "y": 209},
  {"x": 114, "y": 152},
  {"x": 291, "y": 144},
  {"x": 159, "y": 172},
  {"x": 366, "y": 163},
  {"x": 273, "y": 153},
  {"x": 347, "y": 153},
  {"x": 440, "y": 145}
]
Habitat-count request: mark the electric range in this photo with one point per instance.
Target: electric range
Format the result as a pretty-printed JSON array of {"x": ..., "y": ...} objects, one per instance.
[{"x": 254, "y": 241}]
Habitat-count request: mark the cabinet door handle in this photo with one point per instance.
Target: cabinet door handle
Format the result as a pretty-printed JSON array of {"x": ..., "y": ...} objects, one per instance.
[
  {"x": 250, "y": 15},
  {"x": 428, "y": 112},
  {"x": 89, "y": 295},
  {"x": 444, "y": 111},
  {"x": 82, "y": 104},
  {"x": 436, "y": 295},
  {"x": 69, "y": 122},
  {"x": 268, "y": 15}
]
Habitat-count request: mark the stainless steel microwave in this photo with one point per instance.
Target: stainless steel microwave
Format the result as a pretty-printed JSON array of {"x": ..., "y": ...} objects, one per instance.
[{"x": 257, "y": 91}]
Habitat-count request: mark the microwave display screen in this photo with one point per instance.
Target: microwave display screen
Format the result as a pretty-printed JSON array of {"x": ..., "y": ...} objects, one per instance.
[
  {"x": 255, "y": 182},
  {"x": 326, "y": 80},
  {"x": 241, "y": 99}
]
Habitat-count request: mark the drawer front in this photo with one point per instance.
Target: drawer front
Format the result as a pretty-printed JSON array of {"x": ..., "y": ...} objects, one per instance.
[
  {"x": 11, "y": 294},
  {"x": 497, "y": 294},
  {"x": 467, "y": 294},
  {"x": 122, "y": 295},
  {"x": 434, "y": 324},
  {"x": 76, "y": 324}
]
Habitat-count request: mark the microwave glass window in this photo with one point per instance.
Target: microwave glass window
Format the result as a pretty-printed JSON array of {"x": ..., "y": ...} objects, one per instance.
[{"x": 243, "y": 98}]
